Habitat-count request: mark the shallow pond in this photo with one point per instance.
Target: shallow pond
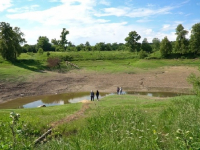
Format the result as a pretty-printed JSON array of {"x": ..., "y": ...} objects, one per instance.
[
  {"x": 66, "y": 98},
  {"x": 47, "y": 100},
  {"x": 156, "y": 94}
]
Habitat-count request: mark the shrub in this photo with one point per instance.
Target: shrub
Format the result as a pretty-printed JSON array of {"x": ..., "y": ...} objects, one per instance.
[
  {"x": 195, "y": 81},
  {"x": 142, "y": 54},
  {"x": 66, "y": 58},
  {"x": 40, "y": 51},
  {"x": 48, "y": 54},
  {"x": 53, "y": 62}
]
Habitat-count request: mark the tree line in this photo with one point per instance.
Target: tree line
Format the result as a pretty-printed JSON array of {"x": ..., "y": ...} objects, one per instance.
[{"x": 12, "y": 43}]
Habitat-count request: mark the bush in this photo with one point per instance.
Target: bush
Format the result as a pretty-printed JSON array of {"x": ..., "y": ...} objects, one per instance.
[
  {"x": 195, "y": 81},
  {"x": 53, "y": 62},
  {"x": 40, "y": 51},
  {"x": 66, "y": 58},
  {"x": 142, "y": 54},
  {"x": 48, "y": 54}
]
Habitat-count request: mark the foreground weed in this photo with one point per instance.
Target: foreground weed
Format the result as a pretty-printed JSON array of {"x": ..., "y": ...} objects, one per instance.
[{"x": 17, "y": 133}]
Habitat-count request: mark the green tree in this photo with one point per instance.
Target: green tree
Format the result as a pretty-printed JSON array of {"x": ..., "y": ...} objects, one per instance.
[
  {"x": 132, "y": 41},
  {"x": 146, "y": 46},
  {"x": 121, "y": 46},
  {"x": 10, "y": 41},
  {"x": 114, "y": 46},
  {"x": 108, "y": 47},
  {"x": 88, "y": 46},
  {"x": 156, "y": 44},
  {"x": 40, "y": 51},
  {"x": 101, "y": 46},
  {"x": 71, "y": 47},
  {"x": 195, "y": 39},
  {"x": 29, "y": 48},
  {"x": 181, "y": 45},
  {"x": 80, "y": 47},
  {"x": 165, "y": 47},
  {"x": 43, "y": 42},
  {"x": 61, "y": 45},
  {"x": 63, "y": 41}
]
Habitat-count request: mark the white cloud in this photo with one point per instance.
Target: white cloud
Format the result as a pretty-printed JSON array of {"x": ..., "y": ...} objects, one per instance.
[
  {"x": 148, "y": 31},
  {"x": 81, "y": 19},
  {"x": 166, "y": 26},
  {"x": 82, "y": 2},
  {"x": 104, "y": 2},
  {"x": 53, "y": 0},
  {"x": 4, "y": 4},
  {"x": 143, "y": 20},
  {"x": 114, "y": 12},
  {"x": 150, "y": 5},
  {"x": 134, "y": 13},
  {"x": 105, "y": 32},
  {"x": 62, "y": 14},
  {"x": 23, "y": 9},
  {"x": 144, "y": 12}
]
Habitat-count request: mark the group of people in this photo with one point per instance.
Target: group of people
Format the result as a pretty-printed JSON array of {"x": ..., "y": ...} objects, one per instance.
[
  {"x": 119, "y": 90},
  {"x": 92, "y": 95}
]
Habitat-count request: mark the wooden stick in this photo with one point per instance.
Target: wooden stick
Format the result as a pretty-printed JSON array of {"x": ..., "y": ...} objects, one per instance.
[{"x": 46, "y": 133}]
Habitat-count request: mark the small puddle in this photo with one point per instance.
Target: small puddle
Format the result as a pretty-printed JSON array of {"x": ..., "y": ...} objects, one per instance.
[
  {"x": 156, "y": 94},
  {"x": 48, "y": 100}
]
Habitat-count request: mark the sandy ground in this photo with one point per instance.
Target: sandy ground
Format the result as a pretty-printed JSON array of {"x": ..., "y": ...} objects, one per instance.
[{"x": 168, "y": 79}]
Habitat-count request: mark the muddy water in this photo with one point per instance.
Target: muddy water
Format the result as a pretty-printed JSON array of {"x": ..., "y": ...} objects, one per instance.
[
  {"x": 48, "y": 100},
  {"x": 61, "y": 99},
  {"x": 156, "y": 94}
]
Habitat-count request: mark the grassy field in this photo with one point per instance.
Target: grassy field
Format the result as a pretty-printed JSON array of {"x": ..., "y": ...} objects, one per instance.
[
  {"x": 129, "y": 122},
  {"x": 115, "y": 122},
  {"x": 110, "y": 62}
]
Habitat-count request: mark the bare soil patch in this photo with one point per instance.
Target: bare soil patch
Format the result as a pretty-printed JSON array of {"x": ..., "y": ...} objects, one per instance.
[{"x": 167, "y": 79}]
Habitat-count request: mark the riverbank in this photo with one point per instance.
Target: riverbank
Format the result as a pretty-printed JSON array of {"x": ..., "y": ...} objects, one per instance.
[{"x": 163, "y": 79}]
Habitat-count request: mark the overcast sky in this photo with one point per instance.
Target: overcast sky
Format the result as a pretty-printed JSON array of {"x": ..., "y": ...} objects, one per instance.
[{"x": 95, "y": 21}]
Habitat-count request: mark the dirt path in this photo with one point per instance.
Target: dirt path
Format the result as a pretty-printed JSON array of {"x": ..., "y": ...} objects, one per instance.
[
  {"x": 168, "y": 79},
  {"x": 72, "y": 117}
]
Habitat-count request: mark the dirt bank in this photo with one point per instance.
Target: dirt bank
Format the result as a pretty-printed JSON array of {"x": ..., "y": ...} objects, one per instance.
[{"x": 168, "y": 79}]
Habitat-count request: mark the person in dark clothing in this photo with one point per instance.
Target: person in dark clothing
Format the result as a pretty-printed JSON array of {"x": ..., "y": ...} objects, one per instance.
[
  {"x": 97, "y": 95},
  {"x": 117, "y": 90},
  {"x": 92, "y": 95}
]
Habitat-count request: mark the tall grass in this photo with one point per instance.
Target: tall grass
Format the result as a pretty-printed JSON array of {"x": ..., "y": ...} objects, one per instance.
[
  {"x": 173, "y": 125},
  {"x": 31, "y": 125},
  {"x": 115, "y": 122}
]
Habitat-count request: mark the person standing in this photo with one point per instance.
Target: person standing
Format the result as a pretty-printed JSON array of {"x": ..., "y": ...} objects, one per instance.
[
  {"x": 120, "y": 90},
  {"x": 117, "y": 90},
  {"x": 97, "y": 95},
  {"x": 92, "y": 95}
]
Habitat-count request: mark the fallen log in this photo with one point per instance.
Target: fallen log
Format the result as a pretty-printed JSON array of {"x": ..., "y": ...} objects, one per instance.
[
  {"x": 73, "y": 65},
  {"x": 40, "y": 138}
]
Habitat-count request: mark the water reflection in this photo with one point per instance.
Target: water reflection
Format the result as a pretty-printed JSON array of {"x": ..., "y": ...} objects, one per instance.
[
  {"x": 157, "y": 94},
  {"x": 48, "y": 100},
  {"x": 61, "y": 99},
  {"x": 40, "y": 102}
]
